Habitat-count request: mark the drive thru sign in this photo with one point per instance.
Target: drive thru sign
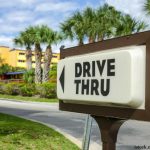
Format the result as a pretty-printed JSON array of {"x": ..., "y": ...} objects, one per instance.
[
  {"x": 115, "y": 77},
  {"x": 110, "y": 80}
]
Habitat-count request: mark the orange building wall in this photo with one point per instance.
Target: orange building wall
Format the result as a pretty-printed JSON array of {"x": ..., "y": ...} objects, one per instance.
[
  {"x": 14, "y": 56},
  {"x": 4, "y": 54}
]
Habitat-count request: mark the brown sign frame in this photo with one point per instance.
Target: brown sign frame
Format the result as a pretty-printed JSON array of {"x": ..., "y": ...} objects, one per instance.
[{"x": 142, "y": 38}]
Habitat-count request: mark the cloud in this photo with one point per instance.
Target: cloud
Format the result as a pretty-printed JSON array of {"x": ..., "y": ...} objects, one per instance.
[
  {"x": 50, "y": 22},
  {"x": 16, "y": 3},
  {"x": 56, "y": 6},
  {"x": 5, "y": 40},
  {"x": 11, "y": 29},
  {"x": 18, "y": 16},
  {"x": 135, "y": 8},
  {"x": 66, "y": 43}
]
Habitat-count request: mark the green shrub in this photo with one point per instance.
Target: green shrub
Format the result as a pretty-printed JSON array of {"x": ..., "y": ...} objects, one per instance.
[
  {"x": 11, "y": 88},
  {"x": 53, "y": 74},
  {"x": 28, "y": 90},
  {"x": 47, "y": 90},
  {"x": 2, "y": 88},
  {"x": 28, "y": 76}
]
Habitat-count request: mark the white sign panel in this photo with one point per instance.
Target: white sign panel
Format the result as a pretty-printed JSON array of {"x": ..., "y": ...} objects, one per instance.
[{"x": 112, "y": 77}]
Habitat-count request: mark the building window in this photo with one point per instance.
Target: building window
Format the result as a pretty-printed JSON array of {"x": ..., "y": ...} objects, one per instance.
[
  {"x": 21, "y": 53},
  {"x": 22, "y": 61}
]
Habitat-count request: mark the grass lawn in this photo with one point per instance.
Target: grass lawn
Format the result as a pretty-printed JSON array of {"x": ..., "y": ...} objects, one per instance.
[
  {"x": 24, "y": 98},
  {"x": 21, "y": 134}
]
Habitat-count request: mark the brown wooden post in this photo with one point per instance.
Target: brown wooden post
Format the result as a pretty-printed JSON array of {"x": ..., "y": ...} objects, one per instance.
[{"x": 109, "y": 128}]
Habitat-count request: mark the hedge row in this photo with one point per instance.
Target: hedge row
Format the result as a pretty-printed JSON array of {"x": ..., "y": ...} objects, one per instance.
[{"x": 44, "y": 90}]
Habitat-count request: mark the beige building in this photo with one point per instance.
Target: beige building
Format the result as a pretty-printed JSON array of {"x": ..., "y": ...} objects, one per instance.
[{"x": 17, "y": 58}]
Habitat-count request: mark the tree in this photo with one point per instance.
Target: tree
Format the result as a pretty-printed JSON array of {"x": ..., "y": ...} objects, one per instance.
[
  {"x": 89, "y": 21},
  {"x": 73, "y": 27},
  {"x": 36, "y": 35},
  {"x": 49, "y": 37},
  {"x": 128, "y": 25},
  {"x": 98, "y": 24},
  {"x": 92, "y": 24},
  {"x": 147, "y": 7},
  {"x": 106, "y": 19},
  {"x": 24, "y": 39}
]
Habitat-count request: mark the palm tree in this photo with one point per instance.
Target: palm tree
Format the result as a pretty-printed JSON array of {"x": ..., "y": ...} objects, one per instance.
[
  {"x": 36, "y": 35},
  {"x": 89, "y": 18},
  {"x": 73, "y": 27},
  {"x": 147, "y": 7},
  {"x": 128, "y": 25},
  {"x": 49, "y": 37},
  {"x": 24, "y": 39},
  {"x": 106, "y": 19},
  {"x": 93, "y": 24}
]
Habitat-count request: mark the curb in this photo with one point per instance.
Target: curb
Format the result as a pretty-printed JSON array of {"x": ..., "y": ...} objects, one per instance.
[
  {"x": 93, "y": 146},
  {"x": 21, "y": 101}
]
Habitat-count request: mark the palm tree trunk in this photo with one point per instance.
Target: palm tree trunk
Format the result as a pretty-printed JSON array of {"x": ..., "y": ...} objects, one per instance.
[
  {"x": 91, "y": 40},
  {"x": 100, "y": 38},
  {"x": 38, "y": 56},
  {"x": 47, "y": 62},
  {"x": 29, "y": 58},
  {"x": 80, "y": 42}
]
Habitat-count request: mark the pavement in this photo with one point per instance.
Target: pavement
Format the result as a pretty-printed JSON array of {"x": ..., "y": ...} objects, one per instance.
[{"x": 132, "y": 134}]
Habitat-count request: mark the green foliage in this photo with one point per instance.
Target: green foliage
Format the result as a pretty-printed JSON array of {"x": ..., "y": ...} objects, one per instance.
[
  {"x": 2, "y": 88},
  {"x": 17, "y": 69},
  {"x": 53, "y": 72},
  {"x": 74, "y": 27},
  {"x": 99, "y": 24},
  {"x": 28, "y": 90},
  {"x": 127, "y": 25},
  {"x": 28, "y": 77},
  {"x": 11, "y": 88},
  {"x": 147, "y": 6},
  {"x": 44, "y": 90},
  {"x": 4, "y": 68},
  {"x": 47, "y": 90},
  {"x": 18, "y": 89}
]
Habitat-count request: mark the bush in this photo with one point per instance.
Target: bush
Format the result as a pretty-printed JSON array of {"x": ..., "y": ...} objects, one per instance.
[
  {"x": 2, "y": 88},
  {"x": 28, "y": 76},
  {"x": 44, "y": 90},
  {"x": 53, "y": 74},
  {"x": 11, "y": 88},
  {"x": 28, "y": 90},
  {"x": 47, "y": 90}
]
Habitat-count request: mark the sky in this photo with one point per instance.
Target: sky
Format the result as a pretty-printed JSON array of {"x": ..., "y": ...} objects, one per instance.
[{"x": 16, "y": 15}]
